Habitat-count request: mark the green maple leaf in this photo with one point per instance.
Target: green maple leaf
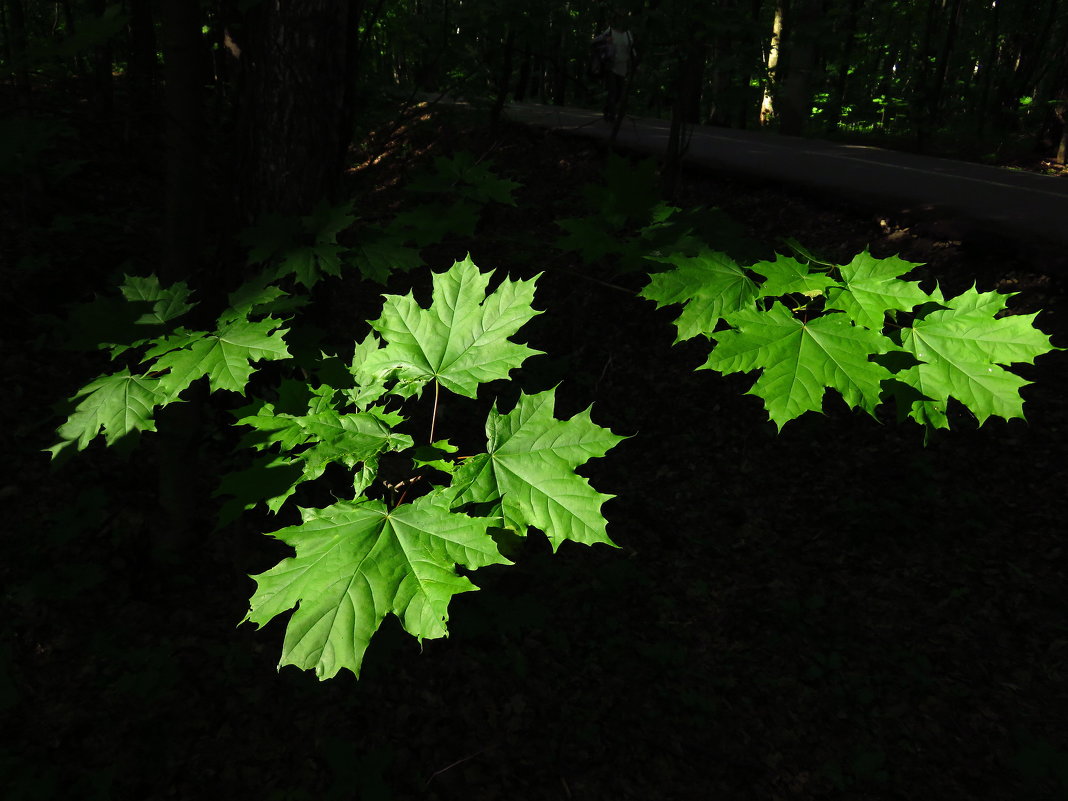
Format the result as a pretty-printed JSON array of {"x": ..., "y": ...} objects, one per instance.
[
  {"x": 709, "y": 285},
  {"x": 462, "y": 176},
  {"x": 588, "y": 237},
  {"x": 460, "y": 341},
  {"x": 433, "y": 222},
  {"x": 256, "y": 297},
  {"x": 530, "y": 466},
  {"x": 629, "y": 193},
  {"x": 167, "y": 302},
  {"x": 118, "y": 404},
  {"x": 961, "y": 350},
  {"x": 313, "y": 442},
  {"x": 800, "y": 360},
  {"x": 379, "y": 254},
  {"x": 787, "y": 275},
  {"x": 871, "y": 287},
  {"x": 358, "y": 561},
  {"x": 224, "y": 357},
  {"x": 309, "y": 263}
]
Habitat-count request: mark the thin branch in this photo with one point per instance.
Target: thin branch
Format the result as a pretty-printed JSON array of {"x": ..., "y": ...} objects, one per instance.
[{"x": 454, "y": 764}]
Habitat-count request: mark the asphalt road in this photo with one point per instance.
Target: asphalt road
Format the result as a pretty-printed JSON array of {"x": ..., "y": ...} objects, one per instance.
[{"x": 1011, "y": 202}]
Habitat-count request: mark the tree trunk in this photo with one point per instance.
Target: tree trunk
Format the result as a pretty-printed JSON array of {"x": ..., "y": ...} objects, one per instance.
[
  {"x": 560, "y": 66},
  {"x": 523, "y": 83},
  {"x": 767, "y": 103},
  {"x": 103, "y": 83},
  {"x": 142, "y": 61},
  {"x": 845, "y": 58},
  {"x": 687, "y": 90},
  {"x": 922, "y": 92},
  {"x": 17, "y": 16},
  {"x": 184, "y": 126},
  {"x": 504, "y": 77},
  {"x": 750, "y": 51},
  {"x": 293, "y": 105},
  {"x": 987, "y": 70},
  {"x": 180, "y": 494},
  {"x": 796, "y": 100},
  {"x": 934, "y": 111}
]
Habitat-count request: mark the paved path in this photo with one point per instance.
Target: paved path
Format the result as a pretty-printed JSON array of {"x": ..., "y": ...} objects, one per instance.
[{"x": 1014, "y": 202}]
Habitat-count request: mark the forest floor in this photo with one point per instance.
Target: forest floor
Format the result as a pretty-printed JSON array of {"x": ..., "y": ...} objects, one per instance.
[{"x": 834, "y": 611}]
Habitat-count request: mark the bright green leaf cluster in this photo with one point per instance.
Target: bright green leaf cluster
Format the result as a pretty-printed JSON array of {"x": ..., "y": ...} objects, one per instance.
[
  {"x": 415, "y": 513},
  {"x": 376, "y": 554},
  {"x": 857, "y": 328}
]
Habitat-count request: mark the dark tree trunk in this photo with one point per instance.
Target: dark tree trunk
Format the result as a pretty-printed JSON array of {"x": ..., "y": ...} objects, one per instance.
[
  {"x": 922, "y": 92},
  {"x": 845, "y": 58},
  {"x": 293, "y": 105},
  {"x": 796, "y": 100},
  {"x": 142, "y": 62},
  {"x": 184, "y": 125},
  {"x": 934, "y": 100},
  {"x": 178, "y": 487},
  {"x": 523, "y": 83},
  {"x": 987, "y": 70},
  {"x": 560, "y": 66},
  {"x": 688, "y": 88},
  {"x": 504, "y": 77},
  {"x": 17, "y": 16},
  {"x": 752, "y": 60},
  {"x": 103, "y": 84}
]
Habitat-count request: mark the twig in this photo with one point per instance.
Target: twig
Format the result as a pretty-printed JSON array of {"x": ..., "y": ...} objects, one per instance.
[{"x": 454, "y": 764}]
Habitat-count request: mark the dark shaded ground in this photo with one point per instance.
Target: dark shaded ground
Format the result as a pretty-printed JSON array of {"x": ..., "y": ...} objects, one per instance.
[{"x": 832, "y": 612}]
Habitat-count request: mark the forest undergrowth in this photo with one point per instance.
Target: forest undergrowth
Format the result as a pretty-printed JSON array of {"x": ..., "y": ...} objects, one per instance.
[{"x": 834, "y": 611}]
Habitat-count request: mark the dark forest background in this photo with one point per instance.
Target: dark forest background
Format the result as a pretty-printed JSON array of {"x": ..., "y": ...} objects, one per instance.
[{"x": 836, "y": 611}]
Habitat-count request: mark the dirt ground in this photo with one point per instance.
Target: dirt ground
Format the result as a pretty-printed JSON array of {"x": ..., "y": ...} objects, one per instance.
[{"x": 833, "y": 611}]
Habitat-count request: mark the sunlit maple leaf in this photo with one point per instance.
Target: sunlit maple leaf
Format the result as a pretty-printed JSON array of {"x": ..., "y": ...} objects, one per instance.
[
  {"x": 871, "y": 287},
  {"x": 530, "y": 466},
  {"x": 787, "y": 275},
  {"x": 117, "y": 405},
  {"x": 800, "y": 360},
  {"x": 460, "y": 341},
  {"x": 962, "y": 350},
  {"x": 358, "y": 561},
  {"x": 223, "y": 356},
  {"x": 710, "y": 286}
]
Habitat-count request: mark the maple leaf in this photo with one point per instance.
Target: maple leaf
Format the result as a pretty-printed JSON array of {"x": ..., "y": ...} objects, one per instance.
[
  {"x": 258, "y": 298},
  {"x": 118, "y": 404},
  {"x": 710, "y": 286},
  {"x": 167, "y": 302},
  {"x": 308, "y": 263},
  {"x": 224, "y": 357},
  {"x": 629, "y": 193},
  {"x": 530, "y": 466},
  {"x": 356, "y": 562},
  {"x": 313, "y": 442},
  {"x": 461, "y": 176},
  {"x": 460, "y": 341},
  {"x": 961, "y": 350},
  {"x": 433, "y": 222},
  {"x": 871, "y": 287},
  {"x": 800, "y": 360},
  {"x": 379, "y": 254},
  {"x": 588, "y": 237},
  {"x": 787, "y": 275}
]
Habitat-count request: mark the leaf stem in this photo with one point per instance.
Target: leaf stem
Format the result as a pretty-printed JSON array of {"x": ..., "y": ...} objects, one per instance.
[{"x": 434, "y": 414}]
